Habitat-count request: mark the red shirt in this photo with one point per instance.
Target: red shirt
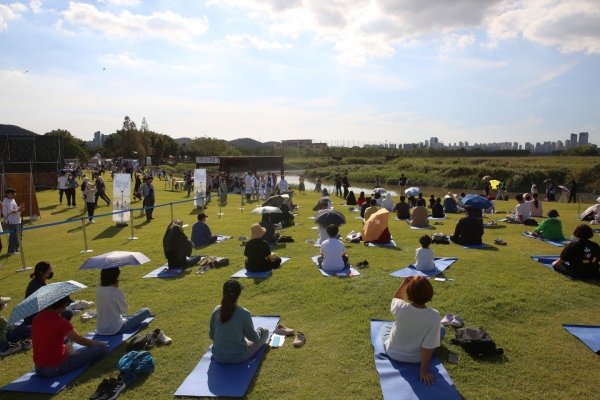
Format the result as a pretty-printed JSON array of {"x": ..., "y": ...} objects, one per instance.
[{"x": 48, "y": 332}]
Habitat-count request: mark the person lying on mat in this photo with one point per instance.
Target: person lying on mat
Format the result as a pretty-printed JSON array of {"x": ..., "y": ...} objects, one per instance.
[
  {"x": 469, "y": 229},
  {"x": 333, "y": 253},
  {"x": 424, "y": 255},
  {"x": 258, "y": 253},
  {"x": 402, "y": 209},
  {"x": 231, "y": 328},
  {"x": 52, "y": 354},
  {"x": 111, "y": 305},
  {"x": 364, "y": 207},
  {"x": 550, "y": 228},
  {"x": 437, "y": 210},
  {"x": 418, "y": 217},
  {"x": 41, "y": 274},
  {"x": 579, "y": 259},
  {"x": 361, "y": 199},
  {"x": 178, "y": 248},
  {"x": 373, "y": 209},
  {"x": 522, "y": 214},
  {"x": 416, "y": 331},
  {"x": 201, "y": 234},
  {"x": 270, "y": 236},
  {"x": 351, "y": 199}
]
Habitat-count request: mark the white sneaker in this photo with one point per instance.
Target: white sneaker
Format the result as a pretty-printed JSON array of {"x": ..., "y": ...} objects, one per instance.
[
  {"x": 14, "y": 253},
  {"x": 89, "y": 314},
  {"x": 92, "y": 222},
  {"x": 76, "y": 312},
  {"x": 82, "y": 305},
  {"x": 162, "y": 338}
]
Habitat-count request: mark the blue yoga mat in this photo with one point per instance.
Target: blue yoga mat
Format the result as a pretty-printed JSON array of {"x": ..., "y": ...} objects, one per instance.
[
  {"x": 211, "y": 379},
  {"x": 243, "y": 273},
  {"x": 547, "y": 262},
  {"x": 32, "y": 383},
  {"x": 552, "y": 242},
  {"x": 422, "y": 227},
  {"x": 391, "y": 243},
  {"x": 164, "y": 272},
  {"x": 588, "y": 334},
  {"x": 440, "y": 265},
  {"x": 400, "y": 381},
  {"x": 222, "y": 238},
  {"x": 346, "y": 272},
  {"x": 472, "y": 246}
]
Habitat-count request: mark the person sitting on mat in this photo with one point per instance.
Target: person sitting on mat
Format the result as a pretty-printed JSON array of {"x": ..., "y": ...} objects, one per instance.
[
  {"x": 402, "y": 209},
  {"x": 411, "y": 201},
  {"x": 270, "y": 235},
  {"x": 431, "y": 201},
  {"x": 361, "y": 199},
  {"x": 388, "y": 203},
  {"x": 373, "y": 209},
  {"x": 550, "y": 228},
  {"x": 111, "y": 305},
  {"x": 424, "y": 255},
  {"x": 535, "y": 206},
  {"x": 450, "y": 205},
  {"x": 492, "y": 209},
  {"x": 364, "y": 206},
  {"x": 231, "y": 328},
  {"x": 41, "y": 274},
  {"x": 52, "y": 354},
  {"x": 522, "y": 214},
  {"x": 258, "y": 253},
  {"x": 437, "y": 210},
  {"x": 287, "y": 218},
  {"x": 351, "y": 199},
  {"x": 201, "y": 234},
  {"x": 377, "y": 198},
  {"x": 416, "y": 331},
  {"x": 469, "y": 229},
  {"x": 418, "y": 217},
  {"x": 420, "y": 202},
  {"x": 580, "y": 258},
  {"x": 333, "y": 253},
  {"x": 178, "y": 248}
]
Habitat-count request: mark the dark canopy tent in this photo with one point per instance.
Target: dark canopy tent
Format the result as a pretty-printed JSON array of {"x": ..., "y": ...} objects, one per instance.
[{"x": 242, "y": 163}]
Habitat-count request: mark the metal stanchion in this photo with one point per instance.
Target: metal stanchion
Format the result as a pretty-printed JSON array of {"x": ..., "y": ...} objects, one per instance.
[
  {"x": 242, "y": 194},
  {"x": 131, "y": 219},
  {"x": 84, "y": 237},
  {"x": 24, "y": 267},
  {"x": 220, "y": 203}
]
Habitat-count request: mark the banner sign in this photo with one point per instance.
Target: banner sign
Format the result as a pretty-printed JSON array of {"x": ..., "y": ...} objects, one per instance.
[
  {"x": 199, "y": 186},
  {"x": 121, "y": 197},
  {"x": 207, "y": 160}
]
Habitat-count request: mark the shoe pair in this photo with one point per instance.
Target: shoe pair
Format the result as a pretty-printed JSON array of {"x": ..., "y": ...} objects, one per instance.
[
  {"x": 500, "y": 242},
  {"x": 363, "y": 264},
  {"x": 88, "y": 315},
  {"x": 15, "y": 347},
  {"x": 109, "y": 389},
  {"x": 161, "y": 337},
  {"x": 454, "y": 320},
  {"x": 81, "y": 305},
  {"x": 300, "y": 337},
  {"x": 438, "y": 223}
]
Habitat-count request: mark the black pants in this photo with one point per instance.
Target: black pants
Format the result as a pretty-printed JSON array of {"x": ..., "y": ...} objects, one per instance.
[
  {"x": 71, "y": 196},
  {"x": 573, "y": 195},
  {"x": 103, "y": 196},
  {"x": 338, "y": 190},
  {"x": 90, "y": 209},
  {"x": 174, "y": 262},
  {"x": 267, "y": 265},
  {"x": 346, "y": 191},
  {"x": 320, "y": 261},
  {"x": 60, "y": 194},
  {"x": 150, "y": 209}
]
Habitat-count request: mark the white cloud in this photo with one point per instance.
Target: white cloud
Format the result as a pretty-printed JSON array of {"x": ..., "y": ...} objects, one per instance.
[
  {"x": 166, "y": 25},
  {"x": 36, "y": 6},
  {"x": 121, "y": 2},
  {"x": 18, "y": 7},
  {"x": 453, "y": 42},
  {"x": 6, "y": 13},
  {"x": 247, "y": 41},
  {"x": 125, "y": 58}
]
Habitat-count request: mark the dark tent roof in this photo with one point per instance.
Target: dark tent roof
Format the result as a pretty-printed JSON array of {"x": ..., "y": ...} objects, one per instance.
[{"x": 14, "y": 130}]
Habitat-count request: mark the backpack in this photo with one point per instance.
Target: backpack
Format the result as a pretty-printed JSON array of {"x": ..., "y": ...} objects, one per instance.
[
  {"x": 285, "y": 239},
  {"x": 138, "y": 362},
  {"x": 354, "y": 237},
  {"x": 141, "y": 342},
  {"x": 476, "y": 340},
  {"x": 439, "y": 238}
]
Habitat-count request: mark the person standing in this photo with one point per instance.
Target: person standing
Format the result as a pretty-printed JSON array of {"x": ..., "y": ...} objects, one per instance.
[
  {"x": 500, "y": 195},
  {"x": 486, "y": 188},
  {"x": 189, "y": 183},
  {"x": 268, "y": 185},
  {"x": 89, "y": 195},
  {"x": 101, "y": 190},
  {"x": 301, "y": 185},
  {"x": 534, "y": 188},
  {"x": 249, "y": 182},
  {"x": 338, "y": 185},
  {"x": 148, "y": 192},
  {"x": 402, "y": 183},
  {"x": 283, "y": 186},
  {"x": 318, "y": 183},
  {"x": 62, "y": 185},
  {"x": 573, "y": 194},
  {"x": 345, "y": 184},
  {"x": 12, "y": 217},
  {"x": 71, "y": 186},
  {"x": 377, "y": 182},
  {"x": 223, "y": 190}
]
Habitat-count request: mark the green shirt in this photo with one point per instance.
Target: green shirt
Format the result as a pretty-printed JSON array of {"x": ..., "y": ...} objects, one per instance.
[
  {"x": 551, "y": 229},
  {"x": 229, "y": 339}
]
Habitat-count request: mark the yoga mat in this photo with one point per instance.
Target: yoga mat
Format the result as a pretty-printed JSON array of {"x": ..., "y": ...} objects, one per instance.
[
  {"x": 165, "y": 272},
  {"x": 356, "y": 210},
  {"x": 390, "y": 244},
  {"x": 588, "y": 334},
  {"x": 472, "y": 246},
  {"x": 346, "y": 272},
  {"x": 547, "y": 261},
  {"x": 552, "y": 242},
  {"x": 422, "y": 227},
  {"x": 400, "y": 381},
  {"x": 242, "y": 273},
  {"x": 597, "y": 230},
  {"x": 358, "y": 217},
  {"x": 440, "y": 265},
  {"x": 222, "y": 238},
  {"x": 311, "y": 217},
  {"x": 431, "y": 218},
  {"x": 314, "y": 228},
  {"x": 401, "y": 219},
  {"x": 211, "y": 379},
  {"x": 32, "y": 383}
]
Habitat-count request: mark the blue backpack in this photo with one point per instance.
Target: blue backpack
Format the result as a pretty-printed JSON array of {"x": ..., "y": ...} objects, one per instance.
[{"x": 138, "y": 362}]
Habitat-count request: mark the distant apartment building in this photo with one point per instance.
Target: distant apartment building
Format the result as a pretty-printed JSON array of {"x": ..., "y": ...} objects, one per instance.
[
  {"x": 99, "y": 139},
  {"x": 583, "y": 138},
  {"x": 433, "y": 142},
  {"x": 300, "y": 144},
  {"x": 573, "y": 140}
]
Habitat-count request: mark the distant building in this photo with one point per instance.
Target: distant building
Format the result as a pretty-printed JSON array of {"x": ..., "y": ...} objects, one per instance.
[
  {"x": 300, "y": 144},
  {"x": 567, "y": 144},
  {"x": 99, "y": 139},
  {"x": 573, "y": 140},
  {"x": 583, "y": 138},
  {"x": 433, "y": 142}
]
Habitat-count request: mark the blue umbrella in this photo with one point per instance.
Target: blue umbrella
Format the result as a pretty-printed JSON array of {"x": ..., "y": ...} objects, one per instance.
[
  {"x": 42, "y": 298},
  {"x": 115, "y": 259},
  {"x": 475, "y": 201},
  {"x": 413, "y": 191}
]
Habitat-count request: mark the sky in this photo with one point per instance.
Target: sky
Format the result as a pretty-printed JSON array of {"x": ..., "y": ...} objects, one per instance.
[{"x": 353, "y": 70}]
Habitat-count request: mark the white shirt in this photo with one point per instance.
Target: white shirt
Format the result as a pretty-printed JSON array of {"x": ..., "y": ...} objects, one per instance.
[
  {"x": 332, "y": 250},
  {"x": 378, "y": 202},
  {"x": 388, "y": 203},
  {"x": 8, "y": 208},
  {"x": 424, "y": 259},
  {"x": 249, "y": 181},
  {"x": 414, "y": 329},
  {"x": 524, "y": 209},
  {"x": 323, "y": 236},
  {"x": 283, "y": 186},
  {"x": 534, "y": 189},
  {"x": 111, "y": 304},
  {"x": 62, "y": 182}
]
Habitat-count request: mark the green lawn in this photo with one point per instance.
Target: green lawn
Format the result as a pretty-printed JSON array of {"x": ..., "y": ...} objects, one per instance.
[{"x": 520, "y": 303}]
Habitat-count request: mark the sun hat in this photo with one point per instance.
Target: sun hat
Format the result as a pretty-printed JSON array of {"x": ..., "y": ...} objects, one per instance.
[
  {"x": 449, "y": 195},
  {"x": 257, "y": 231}
]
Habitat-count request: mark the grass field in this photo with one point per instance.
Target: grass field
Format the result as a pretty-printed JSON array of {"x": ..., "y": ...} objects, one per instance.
[{"x": 519, "y": 302}]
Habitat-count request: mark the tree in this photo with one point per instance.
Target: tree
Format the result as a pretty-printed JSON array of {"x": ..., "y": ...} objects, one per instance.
[
  {"x": 144, "y": 127},
  {"x": 73, "y": 147},
  {"x": 129, "y": 125},
  {"x": 159, "y": 148}
]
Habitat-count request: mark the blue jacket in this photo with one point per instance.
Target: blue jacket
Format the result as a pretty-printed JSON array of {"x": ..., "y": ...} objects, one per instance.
[{"x": 200, "y": 234}]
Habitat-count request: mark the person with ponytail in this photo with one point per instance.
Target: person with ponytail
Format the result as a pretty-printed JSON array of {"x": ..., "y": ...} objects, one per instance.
[
  {"x": 231, "y": 328},
  {"x": 41, "y": 273},
  {"x": 536, "y": 206}
]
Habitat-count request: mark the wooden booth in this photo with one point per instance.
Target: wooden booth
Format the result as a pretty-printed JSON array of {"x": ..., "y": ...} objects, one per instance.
[{"x": 242, "y": 163}]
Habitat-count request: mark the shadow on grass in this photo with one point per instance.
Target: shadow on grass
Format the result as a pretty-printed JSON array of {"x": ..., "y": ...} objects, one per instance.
[
  {"x": 64, "y": 210},
  {"x": 109, "y": 232},
  {"x": 49, "y": 207},
  {"x": 141, "y": 225},
  {"x": 255, "y": 377},
  {"x": 495, "y": 227}
]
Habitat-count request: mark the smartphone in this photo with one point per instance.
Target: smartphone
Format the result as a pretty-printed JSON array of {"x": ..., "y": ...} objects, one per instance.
[{"x": 453, "y": 358}]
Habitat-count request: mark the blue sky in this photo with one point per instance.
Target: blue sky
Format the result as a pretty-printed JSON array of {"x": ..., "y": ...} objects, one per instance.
[{"x": 362, "y": 70}]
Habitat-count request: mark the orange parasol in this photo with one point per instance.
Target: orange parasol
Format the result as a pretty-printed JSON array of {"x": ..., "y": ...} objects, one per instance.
[{"x": 375, "y": 226}]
